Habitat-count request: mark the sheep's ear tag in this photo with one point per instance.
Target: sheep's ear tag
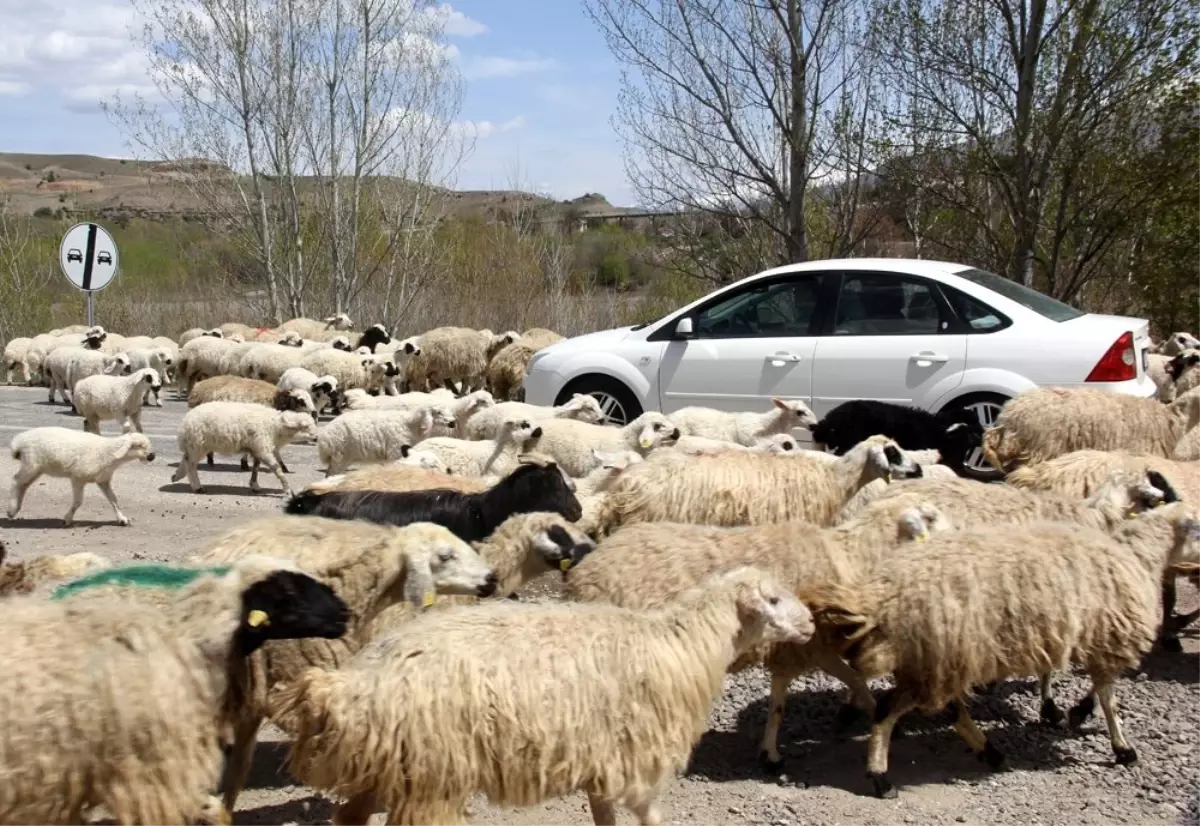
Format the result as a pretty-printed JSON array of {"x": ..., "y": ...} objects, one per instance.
[
  {"x": 564, "y": 563},
  {"x": 888, "y": 477},
  {"x": 256, "y": 618},
  {"x": 645, "y": 443},
  {"x": 921, "y": 537},
  {"x": 428, "y": 598}
]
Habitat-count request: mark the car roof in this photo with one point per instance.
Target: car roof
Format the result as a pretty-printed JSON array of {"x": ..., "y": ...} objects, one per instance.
[{"x": 910, "y": 266}]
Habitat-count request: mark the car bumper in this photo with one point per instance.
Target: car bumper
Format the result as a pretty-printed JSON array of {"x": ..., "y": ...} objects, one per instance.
[
  {"x": 542, "y": 387},
  {"x": 1141, "y": 386}
]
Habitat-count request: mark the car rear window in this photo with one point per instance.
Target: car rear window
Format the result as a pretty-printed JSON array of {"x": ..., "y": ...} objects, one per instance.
[{"x": 1043, "y": 305}]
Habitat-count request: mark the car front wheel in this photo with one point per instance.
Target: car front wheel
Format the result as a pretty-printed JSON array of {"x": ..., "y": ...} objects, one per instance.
[
  {"x": 617, "y": 401},
  {"x": 986, "y": 407}
]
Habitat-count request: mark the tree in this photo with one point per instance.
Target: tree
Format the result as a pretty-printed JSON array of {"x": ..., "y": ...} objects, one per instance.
[
  {"x": 1025, "y": 112},
  {"x": 736, "y": 110},
  {"x": 297, "y": 124},
  {"x": 25, "y": 271}
]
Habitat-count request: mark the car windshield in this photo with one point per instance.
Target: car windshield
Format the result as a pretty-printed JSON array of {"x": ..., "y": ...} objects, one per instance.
[{"x": 1043, "y": 305}]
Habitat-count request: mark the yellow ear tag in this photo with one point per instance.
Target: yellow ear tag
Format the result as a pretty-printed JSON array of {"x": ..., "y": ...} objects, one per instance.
[
  {"x": 921, "y": 537},
  {"x": 564, "y": 564},
  {"x": 889, "y": 476},
  {"x": 256, "y": 618},
  {"x": 428, "y": 599},
  {"x": 645, "y": 443}
]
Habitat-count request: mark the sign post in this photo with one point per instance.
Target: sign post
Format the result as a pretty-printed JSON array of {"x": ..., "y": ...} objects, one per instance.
[{"x": 88, "y": 257}]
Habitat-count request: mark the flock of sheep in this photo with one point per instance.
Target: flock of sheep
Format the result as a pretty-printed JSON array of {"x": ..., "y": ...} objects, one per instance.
[{"x": 369, "y": 619}]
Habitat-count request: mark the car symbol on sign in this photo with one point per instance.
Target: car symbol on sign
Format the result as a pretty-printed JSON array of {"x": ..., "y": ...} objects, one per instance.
[
  {"x": 74, "y": 255},
  {"x": 104, "y": 257}
]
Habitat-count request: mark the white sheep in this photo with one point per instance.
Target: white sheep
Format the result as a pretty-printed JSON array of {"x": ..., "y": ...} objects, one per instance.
[
  {"x": 322, "y": 389},
  {"x": 775, "y": 443},
  {"x": 649, "y": 565},
  {"x": 571, "y": 443},
  {"x": 486, "y": 423},
  {"x": 1081, "y": 474},
  {"x": 374, "y": 436},
  {"x": 1187, "y": 449},
  {"x": 268, "y": 362},
  {"x": 1175, "y": 344},
  {"x": 15, "y": 352},
  {"x": 159, "y": 358},
  {"x": 86, "y": 363},
  {"x": 98, "y": 398},
  {"x": 349, "y": 369},
  {"x": 1046, "y": 422},
  {"x": 81, "y": 457},
  {"x": 972, "y": 607},
  {"x": 462, "y": 409},
  {"x": 485, "y": 457},
  {"x": 311, "y": 328},
  {"x": 56, "y": 366},
  {"x": 233, "y": 428},
  {"x": 201, "y": 358},
  {"x": 547, "y": 699},
  {"x": 39, "y": 573},
  {"x": 455, "y": 355},
  {"x": 118, "y": 703},
  {"x": 743, "y": 428},
  {"x": 749, "y": 488}
]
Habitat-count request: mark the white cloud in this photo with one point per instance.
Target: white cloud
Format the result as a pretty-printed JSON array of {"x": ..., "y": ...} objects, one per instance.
[
  {"x": 482, "y": 129},
  {"x": 452, "y": 22},
  {"x": 479, "y": 68},
  {"x": 13, "y": 88}
]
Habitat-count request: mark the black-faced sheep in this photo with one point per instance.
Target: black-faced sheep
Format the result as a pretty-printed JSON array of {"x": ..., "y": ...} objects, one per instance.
[
  {"x": 81, "y": 457},
  {"x": 954, "y": 434},
  {"x": 372, "y": 337},
  {"x": 119, "y": 703},
  {"x": 471, "y": 516}
]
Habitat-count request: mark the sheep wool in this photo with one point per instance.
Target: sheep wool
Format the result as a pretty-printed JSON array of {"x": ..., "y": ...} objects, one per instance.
[
  {"x": 1047, "y": 422},
  {"x": 743, "y": 428},
  {"x": 1188, "y": 448},
  {"x": 28, "y": 575},
  {"x": 506, "y": 371},
  {"x": 486, "y": 423},
  {"x": 1081, "y": 474},
  {"x": 374, "y": 436},
  {"x": 395, "y": 477},
  {"x": 750, "y": 488},
  {"x": 147, "y": 748},
  {"x": 975, "y": 606},
  {"x": 547, "y": 699},
  {"x": 15, "y": 358},
  {"x": 573, "y": 443},
  {"x": 235, "y": 428}
]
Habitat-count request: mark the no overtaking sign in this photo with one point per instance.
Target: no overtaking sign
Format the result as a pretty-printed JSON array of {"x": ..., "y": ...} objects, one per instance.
[{"x": 88, "y": 257}]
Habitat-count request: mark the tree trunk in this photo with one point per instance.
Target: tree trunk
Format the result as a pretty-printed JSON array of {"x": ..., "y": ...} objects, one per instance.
[{"x": 797, "y": 237}]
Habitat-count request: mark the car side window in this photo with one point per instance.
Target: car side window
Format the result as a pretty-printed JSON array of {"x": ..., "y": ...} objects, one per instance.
[
  {"x": 887, "y": 305},
  {"x": 979, "y": 317},
  {"x": 775, "y": 309}
]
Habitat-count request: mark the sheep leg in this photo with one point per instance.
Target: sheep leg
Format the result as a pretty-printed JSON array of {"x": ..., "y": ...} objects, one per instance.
[
  {"x": 76, "y": 500},
  {"x": 357, "y": 810},
  {"x": 106, "y": 489},
  {"x": 975, "y": 738},
  {"x": 209, "y": 460},
  {"x": 604, "y": 813},
  {"x": 193, "y": 473},
  {"x": 254, "y": 476},
  {"x": 245, "y": 463},
  {"x": 768, "y": 751},
  {"x": 279, "y": 459},
  {"x": 22, "y": 481},
  {"x": 136, "y": 419},
  {"x": 1081, "y": 711},
  {"x": 1126, "y": 756},
  {"x": 648, "y": 813},
  {"x": 859, "y": 691},
  {"x": 891, "y": 707},
  {"x": 1050, "y": 713},
  {"x": 237, "y": 765},
  {"x": 1167, "y": 634}
]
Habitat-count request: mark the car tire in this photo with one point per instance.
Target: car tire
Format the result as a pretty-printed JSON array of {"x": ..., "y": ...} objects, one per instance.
[
  {"x": 987, "y": 407},
  {"x": 617, "y": 401}
]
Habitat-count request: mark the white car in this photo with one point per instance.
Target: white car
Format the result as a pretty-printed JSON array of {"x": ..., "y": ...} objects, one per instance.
[{"x": 931, "y": 334}]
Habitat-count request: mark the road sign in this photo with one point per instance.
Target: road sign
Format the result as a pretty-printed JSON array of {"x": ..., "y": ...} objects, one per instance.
[{"x": 88, "y": 257}]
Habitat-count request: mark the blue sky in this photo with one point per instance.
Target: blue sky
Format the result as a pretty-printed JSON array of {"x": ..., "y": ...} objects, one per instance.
[{"x": 540, "y": 87}]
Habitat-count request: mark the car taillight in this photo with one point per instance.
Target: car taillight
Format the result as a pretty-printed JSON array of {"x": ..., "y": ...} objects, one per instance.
[{"x": 1119, "y": 362}]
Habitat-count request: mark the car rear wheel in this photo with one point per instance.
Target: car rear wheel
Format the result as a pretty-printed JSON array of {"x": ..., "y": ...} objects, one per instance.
[
  {"x": 619, "y": 404},
  {"x": 986, "y": 407}
]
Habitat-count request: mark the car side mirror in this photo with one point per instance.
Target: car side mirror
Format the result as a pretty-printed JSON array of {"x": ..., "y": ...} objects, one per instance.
[{"x": 683, "y": 328}]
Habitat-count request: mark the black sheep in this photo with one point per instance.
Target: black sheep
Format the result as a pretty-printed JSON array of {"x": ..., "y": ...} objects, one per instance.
[
  {"x": 953, "y": 434},
  {"x": 373, "y": 337},
  {"x": 471, "y": 516}
]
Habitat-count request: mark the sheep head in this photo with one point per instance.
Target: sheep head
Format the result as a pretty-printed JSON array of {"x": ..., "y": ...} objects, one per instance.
[
  {"x": 796, "y": 412},
  {"x": 556, "y": 542},
  {"x": 341, "y": 321},
  {"x": 884, "y": 459},
  {"x": 584, "y": 408},
  {"x": 134, "y": 447},
  {"x": 768, "y": 612},
  {"x": 296, "y": 423},
  {"x": 438, "y": 562},
  {"x": 539, "y": 484},
  {"x": 520, "y": 431},
  {"x": 653, "y": 430},
  {"x": 918, "y": 522},
  {"x": 286, "y": 604}
]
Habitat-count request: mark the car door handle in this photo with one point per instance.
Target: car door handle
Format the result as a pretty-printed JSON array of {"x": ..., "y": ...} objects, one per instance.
[
  {"x": 929, "y": 358},
  {"x": 780, "y": 358}
]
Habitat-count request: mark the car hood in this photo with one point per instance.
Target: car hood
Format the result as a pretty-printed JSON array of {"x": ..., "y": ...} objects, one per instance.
[{"x": 591, "y": 341}]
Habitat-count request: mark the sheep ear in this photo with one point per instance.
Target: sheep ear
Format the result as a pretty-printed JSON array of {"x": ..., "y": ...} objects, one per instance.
[
  {"x": 780, "y": 403},
  {"x": 122, "y": 449},
  {"x": 419, "y": 588}
]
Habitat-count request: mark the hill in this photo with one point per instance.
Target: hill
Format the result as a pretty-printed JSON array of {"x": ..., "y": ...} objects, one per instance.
[{"x": 86, "y": 183}]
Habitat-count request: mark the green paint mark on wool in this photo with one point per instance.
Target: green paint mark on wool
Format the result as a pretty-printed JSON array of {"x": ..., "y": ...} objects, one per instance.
[{"x": 147, "y": 576}]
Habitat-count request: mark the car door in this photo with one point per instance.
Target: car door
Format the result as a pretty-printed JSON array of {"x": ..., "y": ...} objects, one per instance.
[
  {"x": 746, "y": 347},
  {"x": 891, "y": 337}
]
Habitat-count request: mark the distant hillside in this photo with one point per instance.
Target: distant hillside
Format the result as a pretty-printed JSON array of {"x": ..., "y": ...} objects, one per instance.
[{"x": 90, "y": 184}]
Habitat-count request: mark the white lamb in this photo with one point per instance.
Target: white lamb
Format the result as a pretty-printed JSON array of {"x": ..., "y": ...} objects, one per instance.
[
  {"x": 158, "y": 358},
  {"x": 486, "y": 423},
  {"x": 744, "y": 428},
  {"x": 323, "y": 389},
  {"x": 484, "y": 457},
  {"x": 374, "y": 436},
  {"x": 98, "y": 398},
  {"x": 80, "y": 457},
  {"x": 15, "y": 352},
  {"x": 233, "y": 428},
  {"x": 573, "y": 444},
  {"x": 86, "y": 363}
]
